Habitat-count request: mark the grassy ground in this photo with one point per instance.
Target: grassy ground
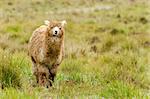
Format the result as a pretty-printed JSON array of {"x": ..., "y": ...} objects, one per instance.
[{"x": 107, "y": 48}]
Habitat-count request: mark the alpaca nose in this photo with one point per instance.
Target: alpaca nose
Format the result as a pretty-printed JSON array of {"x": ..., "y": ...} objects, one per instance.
[{"x": 56, "y": 32}]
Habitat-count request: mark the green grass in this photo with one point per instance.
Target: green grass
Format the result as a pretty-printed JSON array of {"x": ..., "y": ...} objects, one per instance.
[{"x": 107, "y": 51}]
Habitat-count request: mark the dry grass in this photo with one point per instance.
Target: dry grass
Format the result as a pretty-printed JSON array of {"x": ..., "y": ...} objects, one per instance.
[{"x": 107, "y": 48}]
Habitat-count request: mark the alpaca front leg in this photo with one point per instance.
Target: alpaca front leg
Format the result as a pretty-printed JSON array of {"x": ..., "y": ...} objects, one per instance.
[
  {"x": 43, "y": 80},
  {"x": 53, "y": 72},
  {"x": 43, "y": 76},
  {"x": 52, "y": 76}
]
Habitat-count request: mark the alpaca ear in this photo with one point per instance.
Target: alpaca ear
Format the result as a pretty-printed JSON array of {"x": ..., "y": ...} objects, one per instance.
[
  {"x": 63, "y": 23},
  {"x": 46, "y": 22}
]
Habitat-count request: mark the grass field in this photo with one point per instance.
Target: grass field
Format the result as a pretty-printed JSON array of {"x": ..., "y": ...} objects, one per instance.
[{"x": 107, "y": 47}]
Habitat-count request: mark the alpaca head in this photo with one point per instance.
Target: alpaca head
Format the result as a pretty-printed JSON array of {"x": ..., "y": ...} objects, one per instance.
[{"x": 56, "y": 28}]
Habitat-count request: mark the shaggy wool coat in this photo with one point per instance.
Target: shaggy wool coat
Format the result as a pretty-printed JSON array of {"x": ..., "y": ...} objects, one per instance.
[{"x": 46, "y": 52}]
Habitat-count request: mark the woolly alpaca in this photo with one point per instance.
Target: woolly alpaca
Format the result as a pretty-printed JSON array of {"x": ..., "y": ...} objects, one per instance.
[{"x": 46, "y": 49}]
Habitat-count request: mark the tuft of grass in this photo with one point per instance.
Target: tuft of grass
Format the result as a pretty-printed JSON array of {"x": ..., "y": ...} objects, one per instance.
[
  {"x": 118, "y": 89},
  {"x": 10, "y": 73},
  {"x": 13, "y": 68}
]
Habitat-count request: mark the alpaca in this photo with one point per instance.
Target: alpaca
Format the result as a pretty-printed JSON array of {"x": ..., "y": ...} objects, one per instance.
[{"x": 46, "y": 49}]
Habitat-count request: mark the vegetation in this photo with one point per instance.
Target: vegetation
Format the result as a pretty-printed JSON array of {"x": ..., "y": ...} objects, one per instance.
[{"x": 107, "y": 48}]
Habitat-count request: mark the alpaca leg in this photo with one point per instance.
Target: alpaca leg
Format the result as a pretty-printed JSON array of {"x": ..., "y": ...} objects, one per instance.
[
  {"x": 53, "y": 72},
  {"x": 43, "y": 73},
  {"x": 34, "y": 68}
]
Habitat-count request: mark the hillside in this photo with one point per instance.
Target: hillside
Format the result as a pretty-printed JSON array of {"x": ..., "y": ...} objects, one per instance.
[{"x": 107, "y": 45}]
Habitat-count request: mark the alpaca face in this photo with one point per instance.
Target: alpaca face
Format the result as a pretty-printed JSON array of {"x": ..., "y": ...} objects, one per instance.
[{"x": 56, "y": 29}]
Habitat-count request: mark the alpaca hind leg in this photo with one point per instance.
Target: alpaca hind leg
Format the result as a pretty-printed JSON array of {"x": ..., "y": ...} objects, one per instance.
[{"x": 34, "y": 68}]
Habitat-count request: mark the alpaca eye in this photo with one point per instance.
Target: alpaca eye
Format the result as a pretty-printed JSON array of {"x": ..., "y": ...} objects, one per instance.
[{"x": 51, "y": 26}]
